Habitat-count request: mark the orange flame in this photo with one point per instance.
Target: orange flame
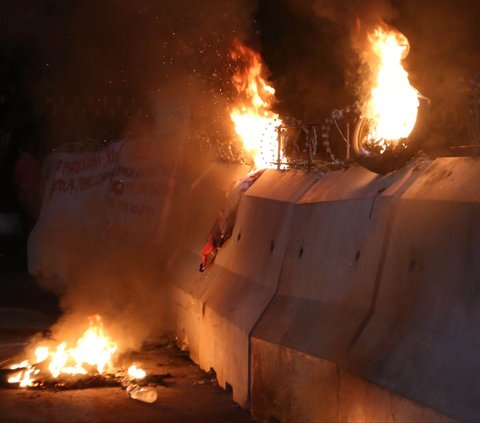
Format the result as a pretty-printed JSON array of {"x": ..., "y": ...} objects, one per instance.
[
  {"x": 255, "y": 124},
  {"x": 94, "y": 349},
  {"x": 135, "y": 372},
  {"x": 393, "y": 104}
]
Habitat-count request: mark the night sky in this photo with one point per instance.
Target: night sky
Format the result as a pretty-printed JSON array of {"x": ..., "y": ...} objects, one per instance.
[{"x": 77, "y": 69}]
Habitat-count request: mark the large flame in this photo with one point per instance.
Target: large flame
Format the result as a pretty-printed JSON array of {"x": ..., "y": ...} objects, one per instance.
[
  {"x": 93, "y": 351},
  {"x": 255, "y": 123},
  {"x": 393, "y": 103}
]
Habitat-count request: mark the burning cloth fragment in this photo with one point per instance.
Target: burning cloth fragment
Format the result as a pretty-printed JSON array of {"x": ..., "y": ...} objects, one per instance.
[{"x": 223, "y": 227}]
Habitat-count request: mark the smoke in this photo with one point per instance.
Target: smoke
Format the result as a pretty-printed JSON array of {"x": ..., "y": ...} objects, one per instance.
[
  {"x": 444, "y": 55},
  {"x": 110, "y": 69},
  {"x": 334, "y": 69},
  {"x": 317, "y": 57},
  {"x": 124, "y": 285},
  {"x": 146, "y": 68},
  {"x": 93, "y": 67},
  {"x": 90, "y": 68},
  {"x": 312, "y": 48},
  {"x": 355, "y": 16}
]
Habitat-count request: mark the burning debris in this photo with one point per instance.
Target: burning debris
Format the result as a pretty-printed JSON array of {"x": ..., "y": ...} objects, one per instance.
[
  {"x": 258, "y": 128},
  {"x": 384, "y": 138},
  {"x": 90, "y": 363},
  {"x": 255, "y": 123},
  {"x": 93, "y": 352},
  {"x": 386, "y": 120},
  {"x": 392, "y": 106}
]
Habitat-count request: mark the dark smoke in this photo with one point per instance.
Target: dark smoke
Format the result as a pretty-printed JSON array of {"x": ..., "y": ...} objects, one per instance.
[
  {"x": 313, "y": 51},
  {"x": 306, "y": 56}
]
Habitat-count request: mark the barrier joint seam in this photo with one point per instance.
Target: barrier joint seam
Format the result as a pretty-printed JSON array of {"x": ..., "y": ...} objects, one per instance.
[{"x": 378, "y": 276}]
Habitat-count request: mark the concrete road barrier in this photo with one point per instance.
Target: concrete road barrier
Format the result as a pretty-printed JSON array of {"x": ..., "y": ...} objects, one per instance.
[
  {"x": 222, "y": 305},
  {"x": 423, "y": 339},
  {"x": 325, "y": 297},
  {"x": 348, "y": 296},
  {"x": 198, "y": 199},
  {"x": 72, "y": 213}
]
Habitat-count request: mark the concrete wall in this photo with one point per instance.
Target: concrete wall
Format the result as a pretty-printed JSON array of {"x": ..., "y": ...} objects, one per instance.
[
  {"x": 198, "y": 200},
  {"x": 72, "y": 214},
  {"x": 347, "y": 296},
  {"x": 218, "y": 309},
  {"x": 128, "y": 210},
  {"x": 290, "y": 386},
  {"x": 326, "y": 295},
  {"x": 376, "y": 316},
  {"x": 423, "y": 340}
]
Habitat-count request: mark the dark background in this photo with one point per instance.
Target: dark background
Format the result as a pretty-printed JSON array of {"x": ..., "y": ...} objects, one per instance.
[{"x": 77, "y": 69}]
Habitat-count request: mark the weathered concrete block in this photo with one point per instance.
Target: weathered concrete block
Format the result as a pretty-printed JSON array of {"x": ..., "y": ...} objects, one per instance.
[
  {"x": 326, "y": 294},
  {"x": 423, "y": 339},
  {"x": 307, "y": 388},
  {"x": 197, "y": 203},
  {"x": 229, "y": 298}
]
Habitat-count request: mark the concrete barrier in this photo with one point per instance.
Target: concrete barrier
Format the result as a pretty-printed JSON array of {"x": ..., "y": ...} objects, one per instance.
[
  {"x": 338, "y": 297},
  {"x": 222, "y": 305},
  {"x": 199, "y": 195},
  {"x": 72, "y": 213},
  {"x": 104, "y": 231},
  {"x": 137, "y": 193},
  {"x": 325, "y": 297},
  {"x": 423, "y": 340},
  {"x": 309, "y": 389}
]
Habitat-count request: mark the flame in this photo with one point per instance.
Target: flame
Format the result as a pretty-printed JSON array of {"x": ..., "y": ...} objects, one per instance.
[
  {"x": 255, "y": 124},
  {"x": 136, "y": 373},
  {"x": 393, "y": 104},
  {"x": 93, "y": 350}
]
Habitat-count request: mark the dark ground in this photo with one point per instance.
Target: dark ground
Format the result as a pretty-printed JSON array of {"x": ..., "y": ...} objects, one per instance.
[{"x": 190, "y": 395}]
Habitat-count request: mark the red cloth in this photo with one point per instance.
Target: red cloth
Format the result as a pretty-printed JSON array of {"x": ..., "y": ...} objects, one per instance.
[
  {"x": 208, "y": 249},
  {"x": 223, "y": 227}
]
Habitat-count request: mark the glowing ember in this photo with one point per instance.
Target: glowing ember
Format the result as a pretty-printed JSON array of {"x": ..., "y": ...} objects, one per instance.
[
  {"x": 136, "y": 373},
  {"x": 393, "y": 104},
  {"x": 255, "y": 123},
  {"x": 93, "y": 351}
]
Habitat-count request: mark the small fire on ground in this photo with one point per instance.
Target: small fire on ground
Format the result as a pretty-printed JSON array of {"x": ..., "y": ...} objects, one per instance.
[
  {"x": 93, "y": 353},
  {"x": 392, "y": 106},
  {"x": 255, "y": 124}
]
